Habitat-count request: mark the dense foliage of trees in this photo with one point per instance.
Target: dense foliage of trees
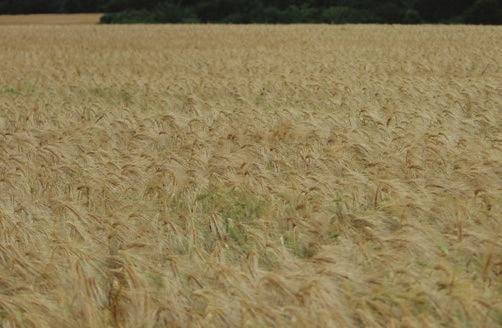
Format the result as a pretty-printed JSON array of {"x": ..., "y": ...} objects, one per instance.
[{"x": 272, "y": 11}]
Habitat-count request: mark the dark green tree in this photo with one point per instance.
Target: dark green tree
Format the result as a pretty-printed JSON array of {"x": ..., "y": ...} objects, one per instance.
[
  {"x": 271, "y": 11},
  {"x": 435, "y": 11},
  {"x": 484, "y": 12}
]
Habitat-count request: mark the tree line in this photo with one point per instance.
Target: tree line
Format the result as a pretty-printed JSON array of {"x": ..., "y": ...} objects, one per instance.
[{"x": 271, "y": 11}]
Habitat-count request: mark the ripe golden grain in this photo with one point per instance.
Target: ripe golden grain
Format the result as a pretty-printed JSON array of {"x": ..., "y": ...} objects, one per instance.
[{"x": 209, "y": 176}]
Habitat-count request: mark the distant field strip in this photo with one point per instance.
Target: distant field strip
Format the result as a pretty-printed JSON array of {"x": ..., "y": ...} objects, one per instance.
[
  {"x": 250, "y": 176},
  {"x": 50, "y": 19}
]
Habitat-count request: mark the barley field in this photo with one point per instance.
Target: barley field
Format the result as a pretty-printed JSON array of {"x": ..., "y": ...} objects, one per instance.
[{"x": 250, "y": 176}]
